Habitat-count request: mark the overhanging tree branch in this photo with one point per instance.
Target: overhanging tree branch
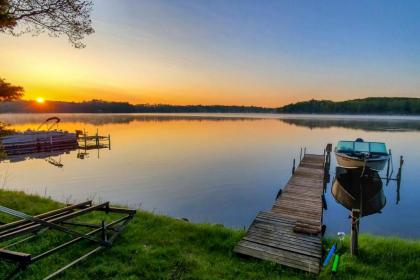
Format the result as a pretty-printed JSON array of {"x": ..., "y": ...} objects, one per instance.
[{"x": 55, "y": 17}]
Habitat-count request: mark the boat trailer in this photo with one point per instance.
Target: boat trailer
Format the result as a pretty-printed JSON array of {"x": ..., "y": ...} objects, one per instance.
[{"x": 61, "y": 220}]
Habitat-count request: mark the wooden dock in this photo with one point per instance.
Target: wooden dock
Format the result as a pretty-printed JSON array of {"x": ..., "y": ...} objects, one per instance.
[
  {"x": 290, "y": 233},
  {"x": 90, "y": 142}
]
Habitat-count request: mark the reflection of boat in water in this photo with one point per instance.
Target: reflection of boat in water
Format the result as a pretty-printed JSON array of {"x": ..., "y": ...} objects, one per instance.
[
  {"x": 48, "y": 156},
  {"x": 354, "y": 191},
  {"x": 42, "y": 155},
  {"x": 359, "y": 154}
]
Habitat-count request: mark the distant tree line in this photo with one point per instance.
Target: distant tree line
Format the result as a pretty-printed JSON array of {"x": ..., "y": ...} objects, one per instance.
[
  {"x": 161, "y": 108},
  {"x": 371, "y": 105},
  {"x": 100, "y": 106}
]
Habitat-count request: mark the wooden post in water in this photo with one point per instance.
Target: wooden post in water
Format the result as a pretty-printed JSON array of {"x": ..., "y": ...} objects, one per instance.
[
  {"x": 109, "y": 141},
  {"x": 354, "y": 243},
  {"x": 294, "y": 166},
  {"x": 328, "y": 157},
  {"x": 398, "y": 192},
  {"x": 85, "y": 137},
  {"x": 97, "y": 139},
  {"x": 400, "y": 169},
  {"x": 327, "y": 164},
  {"x": 387, "y": 168},
  {"x": 300, "y": 155},
  {"x": 399, "y": 178}
]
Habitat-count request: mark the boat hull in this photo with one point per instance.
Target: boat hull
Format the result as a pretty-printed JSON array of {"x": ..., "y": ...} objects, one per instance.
[
  {"x": 38, "y": 141},
  {"x": 346, "y": 161}
]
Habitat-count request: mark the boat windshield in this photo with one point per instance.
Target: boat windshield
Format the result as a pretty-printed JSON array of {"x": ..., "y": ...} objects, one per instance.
[
  {"x": 361, "y": 147},
  {"x": 379, "y": 148},
  {"x": 345, "y": 146}
]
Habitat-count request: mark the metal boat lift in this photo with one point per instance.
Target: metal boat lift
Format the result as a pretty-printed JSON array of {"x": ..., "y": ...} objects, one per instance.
[{"x": 29, "y": 227}]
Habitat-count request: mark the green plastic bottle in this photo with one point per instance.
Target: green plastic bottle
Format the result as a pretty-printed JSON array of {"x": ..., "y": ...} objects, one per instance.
[{"x": 335, "y": 264}]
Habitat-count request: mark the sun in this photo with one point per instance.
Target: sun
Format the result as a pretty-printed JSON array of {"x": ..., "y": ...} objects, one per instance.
[{"x": 40, "y": 100}]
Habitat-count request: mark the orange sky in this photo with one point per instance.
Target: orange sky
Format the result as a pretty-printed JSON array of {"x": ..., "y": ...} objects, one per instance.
[{"x": 52, "y": 69}]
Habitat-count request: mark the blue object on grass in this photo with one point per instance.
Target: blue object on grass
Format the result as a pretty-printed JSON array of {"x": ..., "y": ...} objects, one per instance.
[{"x": 330, "y": 254}]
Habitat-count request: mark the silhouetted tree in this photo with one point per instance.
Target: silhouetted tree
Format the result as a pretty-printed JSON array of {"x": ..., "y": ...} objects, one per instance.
[
  {"x": 9, "y": 92},
  {"x": 56, "y": 17}
]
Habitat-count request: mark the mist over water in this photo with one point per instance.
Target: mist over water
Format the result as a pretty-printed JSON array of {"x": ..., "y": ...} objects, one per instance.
[{"x": 217, "y": 168}]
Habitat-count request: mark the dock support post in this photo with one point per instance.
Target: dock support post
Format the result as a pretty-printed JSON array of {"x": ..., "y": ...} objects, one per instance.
[
  {"x": 354, "y": 243},
  {"x": 387, "y": 168},
  {"x": 327, "y": 164},
  {"x": 109, "y": 141},
  {"x": 328, "y": 158},
  {"x": 85, "y": 137},
  {"x": 294, "y": 166},
  {"x": 300, "y": 155}
]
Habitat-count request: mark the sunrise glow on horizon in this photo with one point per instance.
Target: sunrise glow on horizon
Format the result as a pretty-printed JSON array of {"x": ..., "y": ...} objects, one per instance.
[{"x": 263, "y": 53}]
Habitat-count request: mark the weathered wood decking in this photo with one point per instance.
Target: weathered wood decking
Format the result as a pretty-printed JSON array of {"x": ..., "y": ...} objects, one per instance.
[{"x": 277, "y": 235}]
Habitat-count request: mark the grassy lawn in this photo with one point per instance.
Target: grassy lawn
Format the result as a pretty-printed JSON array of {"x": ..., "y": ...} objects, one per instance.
[{"x": 160, "y": 247}]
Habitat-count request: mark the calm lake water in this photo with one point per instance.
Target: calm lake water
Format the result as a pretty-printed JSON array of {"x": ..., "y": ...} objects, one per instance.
[{"x": 218, "y": 168}]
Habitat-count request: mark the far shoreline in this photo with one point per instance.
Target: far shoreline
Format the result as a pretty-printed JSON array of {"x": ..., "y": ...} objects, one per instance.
[{"x": 274, "y": 115}]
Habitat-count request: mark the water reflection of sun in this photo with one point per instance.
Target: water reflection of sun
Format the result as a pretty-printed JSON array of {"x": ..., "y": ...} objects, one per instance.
[{"x": 40, "y": 100}]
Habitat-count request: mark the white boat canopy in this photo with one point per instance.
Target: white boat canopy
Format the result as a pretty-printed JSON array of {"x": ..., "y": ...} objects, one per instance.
[{"x": 361, "y": 147}]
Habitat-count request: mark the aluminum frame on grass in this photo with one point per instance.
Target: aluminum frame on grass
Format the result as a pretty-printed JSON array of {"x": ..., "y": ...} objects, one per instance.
[{"x": 31, "y": 226}]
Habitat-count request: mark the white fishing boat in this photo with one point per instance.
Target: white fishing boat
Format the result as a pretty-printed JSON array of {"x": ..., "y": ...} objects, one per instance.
[{"x": 360, "y": 154}]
